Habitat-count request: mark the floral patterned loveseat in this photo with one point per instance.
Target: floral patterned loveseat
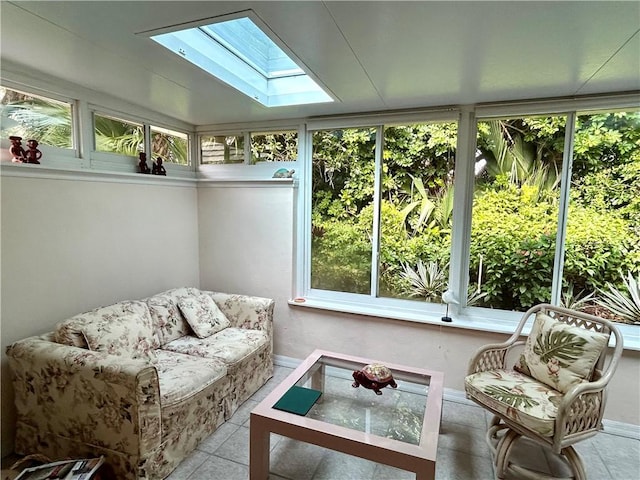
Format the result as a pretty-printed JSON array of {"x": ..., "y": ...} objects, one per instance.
[{"x": 141, "y": 382}]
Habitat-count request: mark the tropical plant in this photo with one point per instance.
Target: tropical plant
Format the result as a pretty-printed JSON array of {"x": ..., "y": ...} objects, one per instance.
[
  {"x": 426, "y": 282},
  {"x": 626, "y": 305},
  {"x": 576, "y": 301}
]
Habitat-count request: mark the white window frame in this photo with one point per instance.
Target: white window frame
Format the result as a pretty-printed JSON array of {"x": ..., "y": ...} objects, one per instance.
[
  {"x": 125, "y": 163},
  {"x": 57, "y": 157},
  {"x": 247, "y": 170},
  {"x": 475, "y": 318}
]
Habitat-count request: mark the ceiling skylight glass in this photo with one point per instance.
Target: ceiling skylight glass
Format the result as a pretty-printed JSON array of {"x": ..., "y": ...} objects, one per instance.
[{"x": 240, "y": 54}]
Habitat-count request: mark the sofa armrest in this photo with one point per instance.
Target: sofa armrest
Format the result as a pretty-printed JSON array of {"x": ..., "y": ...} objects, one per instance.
[
  {"x": 244, "y": 311},
  {"x": 100, "y": 399}
]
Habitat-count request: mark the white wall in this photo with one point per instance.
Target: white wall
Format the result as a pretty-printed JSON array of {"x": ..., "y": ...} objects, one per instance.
[
  {"x": 72, "y": 245},
  {"x": 247, "y": 246}
]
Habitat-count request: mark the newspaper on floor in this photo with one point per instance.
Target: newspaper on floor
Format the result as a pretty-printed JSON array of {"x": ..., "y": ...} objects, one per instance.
[{"x": 83, "y": 469}]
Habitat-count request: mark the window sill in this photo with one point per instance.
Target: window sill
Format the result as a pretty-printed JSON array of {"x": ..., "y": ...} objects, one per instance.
[{"x": 478, "y": 319}]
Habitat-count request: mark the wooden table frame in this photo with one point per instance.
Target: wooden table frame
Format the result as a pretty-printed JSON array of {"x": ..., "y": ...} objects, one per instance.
[{"x": 420, "y": 459}]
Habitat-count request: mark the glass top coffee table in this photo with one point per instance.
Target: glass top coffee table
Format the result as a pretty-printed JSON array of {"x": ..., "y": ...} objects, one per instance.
[{"x": 398, "y": 428}]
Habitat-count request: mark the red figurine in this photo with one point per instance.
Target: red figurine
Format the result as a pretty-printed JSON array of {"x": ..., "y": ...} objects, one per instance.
[
  {"x": 33, "y": 154},
  {"x": 17, "y": 152}
]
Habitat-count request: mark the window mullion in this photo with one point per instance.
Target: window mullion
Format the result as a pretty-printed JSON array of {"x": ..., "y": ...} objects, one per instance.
[
  {"x": 462, "y": 206},
  {"x": 563, "y": 209},
  {"x": 377, "y": 182}
]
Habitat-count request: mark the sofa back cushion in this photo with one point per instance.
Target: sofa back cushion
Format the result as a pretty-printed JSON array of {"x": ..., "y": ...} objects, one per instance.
[
  {"x": 560, "y": 355},
  {"x": 127, "y": 335},
  {"x": 71, "y": 331},
  {"x": 168, "y": 322}
]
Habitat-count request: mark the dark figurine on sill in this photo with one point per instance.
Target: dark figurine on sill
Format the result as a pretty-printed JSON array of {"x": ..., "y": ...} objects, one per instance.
[
  {"x": 17, "y": 152},
  {"x": 158, "y": 169},
  {"x": 33, "y": 154},
  {"x": 142, "y": 165}
]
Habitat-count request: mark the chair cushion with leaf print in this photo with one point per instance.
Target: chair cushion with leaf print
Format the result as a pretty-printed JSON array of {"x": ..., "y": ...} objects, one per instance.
[
  {"x": 516, "y": 396},
  {"x": 560, "y": 355}
]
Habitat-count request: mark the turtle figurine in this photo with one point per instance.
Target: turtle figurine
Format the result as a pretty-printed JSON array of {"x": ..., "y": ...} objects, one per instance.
[
  {"x": 284, "y": 173},
  {"x": 374, "y": 376}
]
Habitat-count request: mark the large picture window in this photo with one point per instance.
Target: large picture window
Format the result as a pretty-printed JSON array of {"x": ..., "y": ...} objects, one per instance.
[
  {"x": 546, "y": 209},
  {"x": 518, "y": 171},
  {"x": 382, "y": 210}
]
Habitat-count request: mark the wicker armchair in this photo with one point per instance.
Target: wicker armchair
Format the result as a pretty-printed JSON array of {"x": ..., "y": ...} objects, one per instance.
[{"x": 555, "y": 394}]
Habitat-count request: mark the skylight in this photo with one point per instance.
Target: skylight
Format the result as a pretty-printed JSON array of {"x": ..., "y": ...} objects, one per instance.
[{"x": 242, "y": 55}]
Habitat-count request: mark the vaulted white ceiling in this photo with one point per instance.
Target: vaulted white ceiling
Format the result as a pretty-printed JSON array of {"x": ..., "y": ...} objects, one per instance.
[{"x": 372, "y": 55}]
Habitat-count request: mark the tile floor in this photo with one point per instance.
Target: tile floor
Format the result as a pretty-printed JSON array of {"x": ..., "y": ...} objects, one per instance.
[{"x": 462, "y": 452}]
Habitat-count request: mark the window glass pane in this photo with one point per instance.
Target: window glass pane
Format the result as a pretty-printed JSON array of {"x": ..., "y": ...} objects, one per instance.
[
  {"x": 171, "y": 146},
  {"x": 274, "y": 146},
  {"x": 32, "y": 117},
  {"x": 515, "y": 211},
  {"x": 602, "y": 254},
  {"x": 416, "y": 210},
  {"x": 342, "y": 209},
  {"x": 222, "y": 149},
  {"x": 118, "y": 136}
]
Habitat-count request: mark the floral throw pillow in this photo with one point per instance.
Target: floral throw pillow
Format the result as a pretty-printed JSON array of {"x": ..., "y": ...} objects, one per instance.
[
  {"x": 560, "y": 355},
  {"x": 204, "y": 316},
  {"x": 129, "y": 335}
]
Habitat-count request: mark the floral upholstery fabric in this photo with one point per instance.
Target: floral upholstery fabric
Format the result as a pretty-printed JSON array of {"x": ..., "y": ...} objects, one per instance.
[
  {"x": 70, "y": 332},
  {"x": 181, "y": 376},
  {"x": 129, "y": 335},
  {"x": 203, "y": 315},
  {"x": 168, "y": 322},
  {"x": 560, "y": 355},
  {"x": 231, "y": 344},
  {"x": 135, "y": 412},
  {"x": 516, "y": 396}
]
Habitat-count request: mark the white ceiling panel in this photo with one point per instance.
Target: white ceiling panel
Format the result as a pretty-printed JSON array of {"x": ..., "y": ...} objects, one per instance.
[{"x": 371, "y": 55}]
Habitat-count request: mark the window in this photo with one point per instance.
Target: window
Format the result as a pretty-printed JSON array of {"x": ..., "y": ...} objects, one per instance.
[
  {"x": 221, "y": 149},
  {"x": 602, "y": 254},
  {"x": 274, "y": 146},
  {"x": 244, "y": 55},
  {"x": 114, "y": 135},
  {"x": 34, "y": 117},
  {"x": 518, "y": 172},
  {"x": 381, "y": 217},
  {"x": 171, "y": 146}
]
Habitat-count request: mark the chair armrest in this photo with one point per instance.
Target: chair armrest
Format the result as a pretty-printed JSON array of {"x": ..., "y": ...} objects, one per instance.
[
  {"x": 245, "y": 311},
  {"x": 492, "y": 356},
  {"x": 100, "y": 399}
]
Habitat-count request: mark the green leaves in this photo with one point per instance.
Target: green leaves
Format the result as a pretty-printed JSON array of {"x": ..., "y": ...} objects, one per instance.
[{"x": 625, "y": 304}]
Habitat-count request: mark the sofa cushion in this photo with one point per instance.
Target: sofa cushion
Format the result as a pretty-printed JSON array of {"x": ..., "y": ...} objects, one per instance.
[
  {"x": 203, "y": 315},
  {"x": 560, "y": 355},
  {"x": 516, "y": 396},
  {"x": 181, "y": 376},
  {"x": 232, "y": 345},
  {"x": 168, "y": 322},
  {"x": 128, "y": 335},
  {"x": 70, "y": 331}
]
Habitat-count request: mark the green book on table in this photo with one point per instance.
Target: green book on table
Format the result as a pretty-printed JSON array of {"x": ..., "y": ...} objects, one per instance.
[{"x": 298, "y": 400}]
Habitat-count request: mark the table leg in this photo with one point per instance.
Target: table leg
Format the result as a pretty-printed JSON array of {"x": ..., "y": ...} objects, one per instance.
[
  {"x": 317, "y": 381},
  {"x": 259, "y": 443},
  {"x": 426, "y": 471}
]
